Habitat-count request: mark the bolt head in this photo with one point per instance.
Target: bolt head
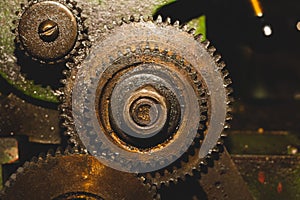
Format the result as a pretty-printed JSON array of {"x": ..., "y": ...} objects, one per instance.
[{"x": 48, "y": 30}]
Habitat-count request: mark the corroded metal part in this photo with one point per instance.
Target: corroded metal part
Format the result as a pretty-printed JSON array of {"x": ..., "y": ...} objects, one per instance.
[
  {"x": 137, "y": 54},
  {"x": 43, "y": 126},
  {"x": 48, "y": 30},
  {"x": 73, "y": 176}
]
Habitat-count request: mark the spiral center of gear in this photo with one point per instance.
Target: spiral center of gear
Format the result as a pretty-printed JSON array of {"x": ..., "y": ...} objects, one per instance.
[{"x": 144, "y": 113}]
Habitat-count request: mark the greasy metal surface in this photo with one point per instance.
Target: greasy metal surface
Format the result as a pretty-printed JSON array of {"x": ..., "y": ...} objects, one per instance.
[
  {"x": 21, "y": 118},
  {"x": 220, "y": 181},
  {"x": 73, "y": 175},
  {"x": 270, "y": 177},
  {"x": 48, "y": 30},
  {"x": 223, "y": 181},
  {"x": 147, "y": 114}
]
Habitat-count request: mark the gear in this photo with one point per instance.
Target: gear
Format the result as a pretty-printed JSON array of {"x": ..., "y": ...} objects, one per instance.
[
  {"x": 143, "y": 96},
  {"x": 43, "y": 43},
  {"x": 73, "y": 175},
  {"x": 50, "y": 31}
]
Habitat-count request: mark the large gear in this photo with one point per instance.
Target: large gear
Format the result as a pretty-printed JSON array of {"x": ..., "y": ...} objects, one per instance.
[
  {"x": 142, "y": 70},
  {"x": 73, "y": 175}
]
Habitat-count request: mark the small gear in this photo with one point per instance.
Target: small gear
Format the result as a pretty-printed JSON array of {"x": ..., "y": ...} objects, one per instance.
[
  {"x": 50, "y": 31},
  {"x": 148, "y": 92},
  {"x": 37, "y": 24},
  {"x": 73, "y": 175}
]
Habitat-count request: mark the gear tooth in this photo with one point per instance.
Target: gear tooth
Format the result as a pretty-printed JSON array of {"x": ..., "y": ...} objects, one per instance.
[
  {"x": 13, "y": 31},
  {"x": 230, "y": 100},
  {"x": 192, "y": 31},
  {"x": 84, "y": 17},
  {"x": 26, "y": 164},
  {"x": 211, "y": 50},
  {"x": 149, "y": 18},
  {"x": 168, "y": 21},
  {"x": 215, "y": 150},
  {"x": 176, "y": 24},
  {"x": 227, "y": 82},
  {"x": 184, "y": 27},
  {"x": 124, "y": 20},
  {"x": 69, "y": 150},
  {"x": 131, "y": 18},
  {"x": 226, "y": 125},
  {"x": 50, "y": 153},
  {"x": 22, "y": 6},
  {"x": 219, "y": 143},
  {"x": 225, "y": 73},
  {"x": 223, "y": 135},
  {"x": 34, "y": 159},
  {"x": 217, "y": 57},
  {"x": 229, "y": 90},
  {"x": 228, "y": 117},
  {"x": 42, "y": 156},
  {"x": 221, "y": 65},
  {"x": 199, "y": 38},
  {"x": 141, "y": 18},
  {"x": 206, "y": 43},
  {"x": 159, "y": 19}
]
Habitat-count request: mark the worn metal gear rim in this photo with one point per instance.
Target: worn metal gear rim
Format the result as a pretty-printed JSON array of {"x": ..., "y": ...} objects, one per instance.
[{"x": 86, "y": 177}]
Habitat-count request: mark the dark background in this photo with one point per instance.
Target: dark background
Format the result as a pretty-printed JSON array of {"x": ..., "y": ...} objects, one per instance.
[{"x": 265, "y": 70}]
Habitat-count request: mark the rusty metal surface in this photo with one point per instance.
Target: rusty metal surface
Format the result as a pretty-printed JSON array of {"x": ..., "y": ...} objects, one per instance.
[
  {"x": 21, "y": 118},
  {"x": 72, "y": 176},
  {"x": 223, "y": 181},
  {"x": 48, "y": 30}
]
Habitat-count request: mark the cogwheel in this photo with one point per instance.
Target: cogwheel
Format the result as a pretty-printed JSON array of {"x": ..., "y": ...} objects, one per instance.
[
  {"x": 47, "y": 35},
  {"x": 50, "y": 31},
  {"x": 73, "y": 175},
  {"x": 149, "y": 95}
]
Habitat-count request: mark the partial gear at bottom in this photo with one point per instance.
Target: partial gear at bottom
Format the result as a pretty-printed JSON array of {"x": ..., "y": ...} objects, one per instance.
[{"x": 73, "y": 175}]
